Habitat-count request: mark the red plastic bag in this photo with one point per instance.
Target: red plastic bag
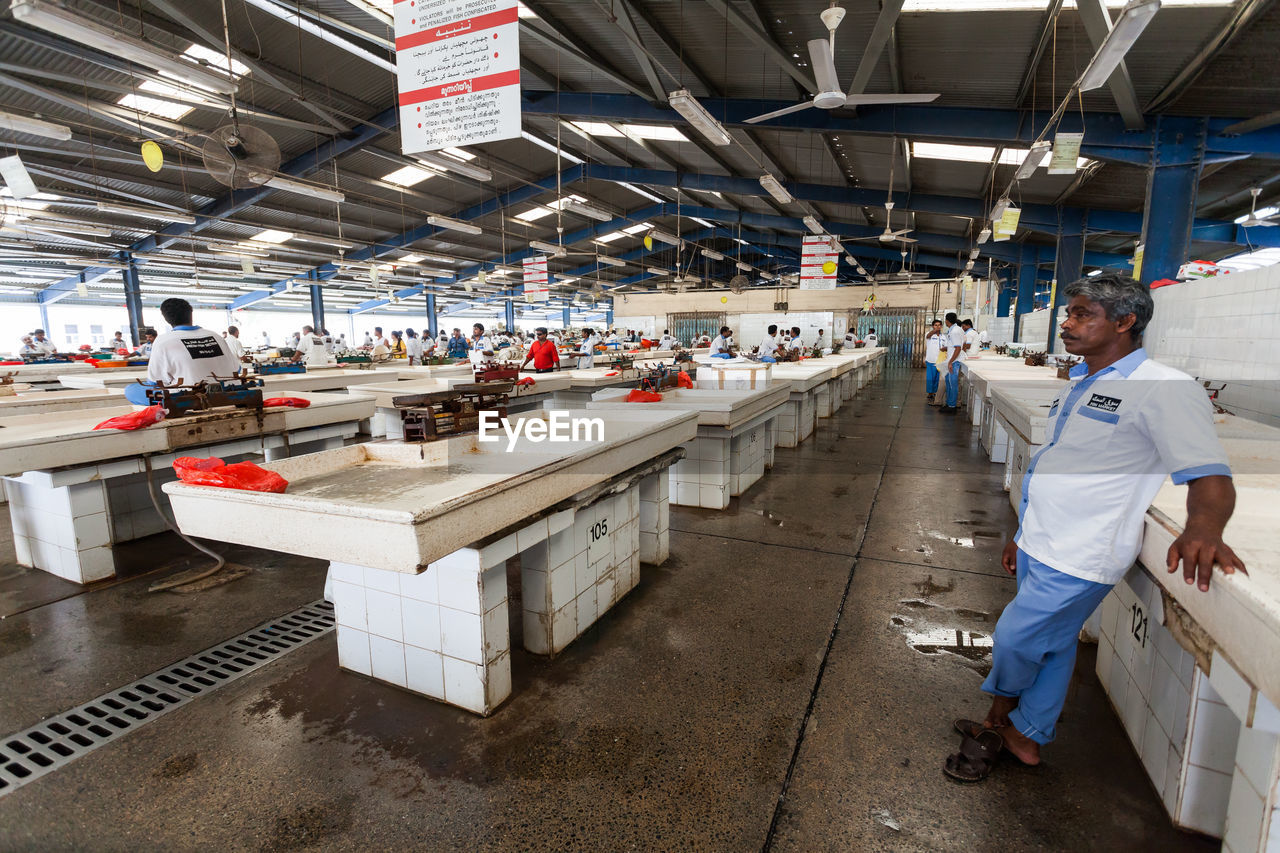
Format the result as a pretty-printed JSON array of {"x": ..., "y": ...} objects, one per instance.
[
  {"x": 526, "y": 382},
  {"x": 612, "y": 373},
  {"x": 645, "y": 343},
  {"x": 638, "y": 396},
  {"x": 683, "y": 380},
  {"x": 291, "y": 402},
  {"x": 245, "y": 476},
  {"x": 135, "y": 420}
]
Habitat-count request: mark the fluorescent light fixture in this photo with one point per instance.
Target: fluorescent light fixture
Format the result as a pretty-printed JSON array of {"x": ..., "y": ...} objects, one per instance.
[
  {"x": 271, "y": 235},
  {"x": 664, "y": 237},
  {"x": 813, "y": 225},
  {"x": 744, "y": 267},
  {"x": 54, "y": 227},
  {"x": 290, "y": 185},
  {"x": 712, "y": 254},
  {"x": 693, "y": 112},
  {"x": 613, "y": 262},
  {"x": 998, "y": 210},
  {"x": 408, "y": 176},
  {"x": 1133, "y": 19},
  {"x": 33, "y": 126},
  {"x": 66, "y": 23},
  {"x": 453, "y": 224},
  {"x": 640, "y": 191},
  {"x": 331, "y": 242},
  {"x": 529, "y": 137},
  {"x": 146, "y": 212},
  {"x": 973, "y": 253},
  {"x": 409, "y": 259},
  {"x": 1034, "y": 158},
  {"x": 610, "y": 237},
  {"x": 550, "y": 248},
  {"x": 1095, "y": 272},
  {"x": 534, "y": 214},
  {"x": 587, "y": 210},
  {"x": 442, "y": 161},
  {"x": 657, "y": 271},
  {"x": 984, "y": 235},
  {"x": 775, "y": 188}
]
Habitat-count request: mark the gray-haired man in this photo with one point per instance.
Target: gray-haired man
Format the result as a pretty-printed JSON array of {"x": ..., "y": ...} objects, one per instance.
[{"x": 1122, "y": 426}]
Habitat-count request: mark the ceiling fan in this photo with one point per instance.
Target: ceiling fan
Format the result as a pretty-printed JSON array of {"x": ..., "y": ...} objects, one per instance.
[
  {"x": 830, "y": 96},
  {"x": 1252, "y": 220},
  {"x": 889, "y": 235}
]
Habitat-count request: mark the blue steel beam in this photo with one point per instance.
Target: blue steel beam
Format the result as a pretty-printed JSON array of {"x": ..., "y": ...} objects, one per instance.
[
  {"x": 1068, "y": 267},
  {"x": 1107, "y": 134},
  {"x": 1171, "y": 196},
  {"x": 238, "y": 200}
]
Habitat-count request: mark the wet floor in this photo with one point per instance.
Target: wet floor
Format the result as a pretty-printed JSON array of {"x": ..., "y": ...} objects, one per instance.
[{"x": 786, "y": 681}]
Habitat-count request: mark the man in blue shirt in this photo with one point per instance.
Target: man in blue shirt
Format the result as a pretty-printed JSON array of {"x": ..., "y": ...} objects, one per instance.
[
  {"x": 1122, "y": 427},
  {"x": 458, "y": 345}
]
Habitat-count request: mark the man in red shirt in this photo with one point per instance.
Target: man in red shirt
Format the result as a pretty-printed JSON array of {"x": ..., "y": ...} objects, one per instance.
[{"x": 543, "y": 352}]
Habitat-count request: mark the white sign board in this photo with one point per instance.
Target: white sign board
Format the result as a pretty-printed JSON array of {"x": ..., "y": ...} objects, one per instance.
[
  {"x": 458, "y": 72},
  {"x": 818, "y": 250},
  {"x": 535, "y": 279}
]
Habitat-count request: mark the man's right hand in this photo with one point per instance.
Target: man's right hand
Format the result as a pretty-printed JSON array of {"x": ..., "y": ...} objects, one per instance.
[{"x": 1009, "y": 558}]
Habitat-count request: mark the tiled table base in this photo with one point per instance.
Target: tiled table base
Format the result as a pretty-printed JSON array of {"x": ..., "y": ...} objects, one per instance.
[
  {"x": 1209, "y": 743},
  {"x": 65, "y": 521},
  {"x": 718, "y": 465},
  {"x": 444, "y": 632},
  {"x": 796, "y": 422}
]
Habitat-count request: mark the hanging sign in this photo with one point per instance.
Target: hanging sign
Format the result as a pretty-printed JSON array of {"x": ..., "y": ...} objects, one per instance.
[
  {"x": 1066, "y": 153},
  {"x": 535, "y": 279},
  {"x": 813, "y": 263},
  {"x": 1008, "y": 224},
  {"x": 1137, "y": 261},
  {"x": 458, "y": 72}
]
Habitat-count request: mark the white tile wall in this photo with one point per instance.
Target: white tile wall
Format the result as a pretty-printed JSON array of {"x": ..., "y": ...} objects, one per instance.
[
  {"x": 1000, "y": 329},
  {"x": 1222, "y": 330},
  {"x": 1034, "y": 329},
  {"x": 750, "y": 328}
]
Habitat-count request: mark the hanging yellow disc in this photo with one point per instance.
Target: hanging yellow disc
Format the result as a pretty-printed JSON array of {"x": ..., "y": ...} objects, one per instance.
[
  {"x": 829, "y": 267},
  {"x": 152, "y": 155},
  {"x": 724, "y": 299},
  {"x": 648, "y": 242}
]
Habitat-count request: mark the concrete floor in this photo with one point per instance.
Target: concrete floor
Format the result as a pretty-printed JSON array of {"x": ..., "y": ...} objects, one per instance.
[{"x": 786, "y": 682}]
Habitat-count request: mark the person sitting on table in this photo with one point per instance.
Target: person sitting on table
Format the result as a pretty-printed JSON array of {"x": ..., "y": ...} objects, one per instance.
[
  {"x": 43, "y": 344},
  {"x": 233, "y": 342},
  {"x": 795, "y": 342},
  {"x": 457, "y": 345},
  {"x": 769, "y": 345},
  {"x": 544, "y": 354},
  {"x": 184, "y": 356},
  {"x": 588, "y": 349},
  {"x": 1123, "y": 426},
  {"x": 148, "y": 343},
  {"x": 722, "y": 346}
]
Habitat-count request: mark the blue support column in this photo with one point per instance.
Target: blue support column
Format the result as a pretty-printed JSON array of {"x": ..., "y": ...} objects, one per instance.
[
  {"x": 565, "y": 316},
  {"x": 1026, "y": 289},
  {"x": 608, "y": 317},
  {"x": 433, "y": 322},
  {"x": 133, "y": 302},
  {"x": 509, "y": 311},
  {"x": 1005, "y": 298},
  {"x": 1068, "y": 265},
  {"x": 317, "y": 307},
  {"x": 1172, "y": 180}
]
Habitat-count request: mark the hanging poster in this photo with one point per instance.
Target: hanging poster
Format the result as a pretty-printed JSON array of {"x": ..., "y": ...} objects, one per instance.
[
  {"x": 1066, "y": 153},
  {"x": 458, "y": 72},
  {"x": 819, "y": 255},
  {"x": 535, "y": 279}
]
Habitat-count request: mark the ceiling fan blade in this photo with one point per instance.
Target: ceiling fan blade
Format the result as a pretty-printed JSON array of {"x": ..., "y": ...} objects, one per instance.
[
  {"x": 782, "y": 112},
  {"x": 897, "y": 234},
  {"x": 867, "y": 100},
  {"x": 824, "y": 65},
  {"x": 906, "y": 239}
]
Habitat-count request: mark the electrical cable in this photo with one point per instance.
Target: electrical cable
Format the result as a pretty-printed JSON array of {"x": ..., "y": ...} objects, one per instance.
[{"x": 179, "y": 580}]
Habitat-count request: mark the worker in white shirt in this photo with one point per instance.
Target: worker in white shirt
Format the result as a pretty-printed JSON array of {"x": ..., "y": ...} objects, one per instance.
[
  {"x": 481, "y": 345},
  {"x": 368, "y": 340},
  {"x": 795, "y": 342},
  {"x": 970, "y": 337},
  {"x": 186, "y": 355},
  {"x": 704, "y": 341},
  {"x": 769, "y": 345},
  {"x": 955, "y": 355},
  {"x": 311, "y": 351},
  {"x": 148, "y": 343},
  {"x": 668, "y": 341},
  {"x": 329, "y": 343},
  {"x": 118, "y": 342},
  {"x": 266, "y": 339},
  {"x": 29, "y": 346},
  {"x": 932, "y": 347},
  {"x": 871, "y": 340},
  {"x": 233, "y": 342},
  {"x": 588, "y": 348},
  {"x": 722, "y": 345},
  {"x": 379, "y": 338},
  {"x": 984, "y": 339},
  {"x": 413, "y": 346},
  {"x": 822, "y": 341},
  {"x": 43, "y": 344},
  {"x": 1117, "y": 432}
]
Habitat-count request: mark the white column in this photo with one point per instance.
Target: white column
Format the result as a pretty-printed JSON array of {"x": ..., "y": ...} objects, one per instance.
[{"x": 654, "y": 519}]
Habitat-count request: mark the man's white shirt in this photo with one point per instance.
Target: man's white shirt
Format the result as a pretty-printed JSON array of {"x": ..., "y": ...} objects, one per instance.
[
  {"x": 589, "y": 347},
  {"x": 191, "y": 355},
  {"x": 955, "y": 340},
  {"x": 234, "y": 345},
  {"x": 313, "y": 350},
  {"x": 1113, "y": 439},
  {"x": 769, "y": 346},
  {"x": 796, "y": 343},
  {"x": 871, "y": 340},
  {"x": 720, "y": 344},
  {"x": 932, "y": 347}
]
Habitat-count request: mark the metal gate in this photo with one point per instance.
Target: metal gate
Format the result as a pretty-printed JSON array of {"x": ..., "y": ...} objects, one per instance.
[
  {"x": 899, "y": 331},
  {"x": 691, "y": 325}
]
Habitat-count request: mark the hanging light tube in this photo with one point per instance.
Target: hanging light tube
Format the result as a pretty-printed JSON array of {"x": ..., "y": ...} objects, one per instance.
[
  {"x": 984, "y": 235},
  {"x": 657, "y": 271},
  {"x": 997, "y": 212},
  {"x": 613, "y": 262},
  {"x": 1133, "y": 19},
  {"x": 279, "y": 182},
  {"x": 775, "y": 188},
  {"x": 66, "y": 23},
  {"x": 693, "y": 112},
  {"x": 453, "y": 224},
  {"x": 575, "y": 206},
  {"x": 146, "y": 212},
  {"x": 813, "y": 225},
  {"x": 712, "y": 254},
  {"x": 1035, "y": 156},
  {"x": 550, "y": 248},
  {"x": 973, "y": 254},
  {"x": 443, "y": 161},
  {"x": 33, "y": 126},
  {"x": 744, "y": 267},
  {"x": 664, "y": 237}
]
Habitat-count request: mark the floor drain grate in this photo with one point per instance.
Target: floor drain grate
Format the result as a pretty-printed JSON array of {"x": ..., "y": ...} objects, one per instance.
[{"x": 61, "y": 739}]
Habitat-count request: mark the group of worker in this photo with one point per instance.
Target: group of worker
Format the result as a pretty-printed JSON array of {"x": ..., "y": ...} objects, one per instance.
[
  {"x": 944, "y": 350},
  {"x": 38, "y": 344}
]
